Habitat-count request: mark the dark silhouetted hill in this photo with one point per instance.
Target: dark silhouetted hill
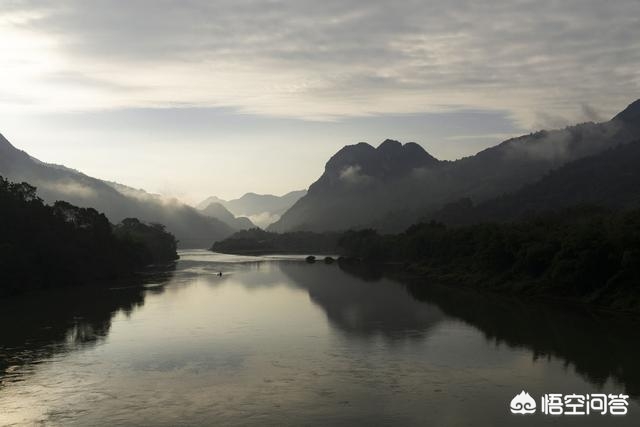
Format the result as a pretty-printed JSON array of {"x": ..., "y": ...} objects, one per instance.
[
  {"x": 360, "y": 184},
  {"x": 55, "y": 182},
  {"x": 393, "y": 186},
  {"x": 610, "y": 179}
]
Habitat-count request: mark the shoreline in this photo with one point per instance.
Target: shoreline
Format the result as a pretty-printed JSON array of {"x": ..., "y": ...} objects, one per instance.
[{"x": 410, "y": 275}]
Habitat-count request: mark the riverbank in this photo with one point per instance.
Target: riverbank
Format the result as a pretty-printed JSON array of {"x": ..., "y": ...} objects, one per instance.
[
  {"x": 261, "y": 252},
  {"x": 62, "y": 245},
  {"x": 585, "y": 254},
  {"x": 421, "y": 278}
]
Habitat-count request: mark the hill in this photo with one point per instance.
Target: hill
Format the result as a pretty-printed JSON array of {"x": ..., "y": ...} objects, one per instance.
[
  {"x": 261, "y": 209},
  {"x": 55, "y": 182},
  {"x": 394, "y": 185},
  {"x": 610, "y": 179},
  {"x": 360, "y": 184},
  {"x": 217, "y": 210},
  {"x": 45, "y": 246}
]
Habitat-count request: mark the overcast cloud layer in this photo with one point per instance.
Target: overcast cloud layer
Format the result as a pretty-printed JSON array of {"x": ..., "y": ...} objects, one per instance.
[
  {"x": 324, "y": 59},
  {"x": 541, "y": 63}
]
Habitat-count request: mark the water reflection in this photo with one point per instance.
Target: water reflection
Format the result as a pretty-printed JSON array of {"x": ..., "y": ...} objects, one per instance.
[
  {"x": 288, "y": 343},
  {"x": 365, "y": 308},
  {"x": 599, "y": 346},
  {"x": 38, "y": 326}
]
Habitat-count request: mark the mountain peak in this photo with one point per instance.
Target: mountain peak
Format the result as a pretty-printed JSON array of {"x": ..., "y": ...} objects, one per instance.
[
  {"x": 217, "y": 210},
  {"x": 631, "y": 114},
  {"x": 389, "y": 144},
  {"x": 409, "y": 152},
  {"x": 362, "y": 163},
  {"x": 206, "y": 202}
]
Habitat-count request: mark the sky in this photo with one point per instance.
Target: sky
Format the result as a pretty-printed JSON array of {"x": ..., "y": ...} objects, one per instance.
[{"x": 192, "y": 98}]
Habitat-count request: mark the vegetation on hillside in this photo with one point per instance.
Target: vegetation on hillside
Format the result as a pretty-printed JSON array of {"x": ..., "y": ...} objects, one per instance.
[
  {"x": 44, "y": 246},
  {"x": 610, "y": 178},
  {"x": 588, "y": 253}
]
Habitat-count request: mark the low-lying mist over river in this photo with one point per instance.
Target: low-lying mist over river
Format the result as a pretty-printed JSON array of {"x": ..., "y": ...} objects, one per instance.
[{"x": 277, "y": 341}]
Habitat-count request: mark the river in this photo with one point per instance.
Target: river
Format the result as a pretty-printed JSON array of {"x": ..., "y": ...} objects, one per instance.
[{"x": 277, "y": 341}]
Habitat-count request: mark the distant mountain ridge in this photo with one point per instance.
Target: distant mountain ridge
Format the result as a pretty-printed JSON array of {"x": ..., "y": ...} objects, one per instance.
[
  {"x": 395, "y": 185},
  {"x": 217, "y": 210},
  {"x": 261, "y": 209},
  {"x": 610, "y": 179},
  {"x": 117, "y": 201}
]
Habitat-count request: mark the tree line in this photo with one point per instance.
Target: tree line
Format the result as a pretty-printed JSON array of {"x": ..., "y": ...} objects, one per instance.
[
  {"x": 589, "y": 253},
  {"x": 43, "y": 246},
  {"x": 256, "y": 241}
]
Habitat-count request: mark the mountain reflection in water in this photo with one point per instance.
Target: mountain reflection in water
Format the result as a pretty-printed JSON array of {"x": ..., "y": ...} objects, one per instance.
[{"x": 277, "y": 341}]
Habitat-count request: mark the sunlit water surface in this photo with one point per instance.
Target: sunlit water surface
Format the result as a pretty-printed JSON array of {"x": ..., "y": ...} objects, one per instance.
[{"x": 277, "y": 341}]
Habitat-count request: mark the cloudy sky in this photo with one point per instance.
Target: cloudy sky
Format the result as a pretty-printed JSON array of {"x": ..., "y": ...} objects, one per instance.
[{"x": 191, "y": 98}]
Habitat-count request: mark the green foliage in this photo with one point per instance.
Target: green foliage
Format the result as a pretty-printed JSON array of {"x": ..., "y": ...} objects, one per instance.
[
  {"x": 368, "y": 244},
  {"x": 48, "y": 246},
  {"x": 157, "y": 246},
  {"x": 258, "y": 241},
  {"x": 588, "y": 253}
]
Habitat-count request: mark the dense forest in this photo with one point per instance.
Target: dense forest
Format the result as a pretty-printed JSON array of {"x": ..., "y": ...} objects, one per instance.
[
  {"x": 44, "y": 246},
  {"x": 588, "y": 253},
  {"x": 257, "y": 242}
]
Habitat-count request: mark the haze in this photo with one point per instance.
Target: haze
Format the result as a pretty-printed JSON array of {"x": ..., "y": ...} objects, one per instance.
[{"x": 194, "y": 98}]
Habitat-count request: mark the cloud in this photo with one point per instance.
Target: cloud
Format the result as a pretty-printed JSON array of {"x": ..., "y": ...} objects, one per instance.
[
  {"x": 553, "y": 146},
  {"x": 564, "y": 144},
  {"x": 69, "y": 188},
  {"x": 420, "y": 173},
  {"x": 591, "y": 114},
  {"x": 262, "y": 220},
  {"x": 353, "y": 175},
  {"x": 327, "y": 60}
]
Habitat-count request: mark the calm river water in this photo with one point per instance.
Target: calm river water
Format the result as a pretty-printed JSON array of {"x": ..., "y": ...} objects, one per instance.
[{"x": 277, "y": 341}]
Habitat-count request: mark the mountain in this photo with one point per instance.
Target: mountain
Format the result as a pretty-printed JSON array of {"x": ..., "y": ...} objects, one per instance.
[
  {"x": 213, "y": 199},
  {"x": 217, "y": 210},
  {"x": 261, "y": 209},
  {"x": 394, "y": 185},
  {"x": 609, "y": 179},
  {"x": 55, "y": 182},
  {"x": 630, "y": 115},
  {"x": 360, "y": 183}
]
